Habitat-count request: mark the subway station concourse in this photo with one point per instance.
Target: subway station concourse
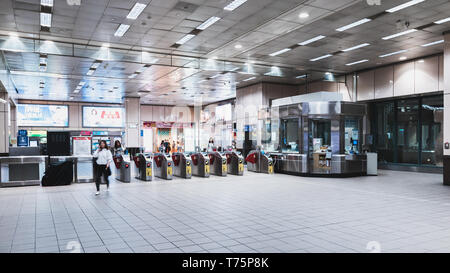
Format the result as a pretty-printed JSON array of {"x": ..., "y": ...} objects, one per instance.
[{"x": 224, "y": 126}]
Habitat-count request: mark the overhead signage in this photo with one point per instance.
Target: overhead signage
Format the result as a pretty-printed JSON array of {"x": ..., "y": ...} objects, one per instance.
[
  {"x": 37, "y": 133},
  {"x": 35, "y": 115},
  {"x": 168, "y": 125},
  {"x": 100, "y": 133},
  {"x": 103, "y": 117}
]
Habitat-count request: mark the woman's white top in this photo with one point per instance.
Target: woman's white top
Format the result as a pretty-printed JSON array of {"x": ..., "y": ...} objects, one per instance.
[{"x": 103, "y": 157}]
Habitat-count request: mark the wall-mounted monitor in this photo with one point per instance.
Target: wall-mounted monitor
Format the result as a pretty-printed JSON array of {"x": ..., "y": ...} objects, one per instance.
[
  {"x": 36, "y": 115},
  {"x": 103, "y": 117}
]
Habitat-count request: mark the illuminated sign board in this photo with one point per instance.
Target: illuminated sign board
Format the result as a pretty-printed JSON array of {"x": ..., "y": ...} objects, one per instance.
[
  {"x": 103, "y": 117},
  {"x": 35, "y": 115}
]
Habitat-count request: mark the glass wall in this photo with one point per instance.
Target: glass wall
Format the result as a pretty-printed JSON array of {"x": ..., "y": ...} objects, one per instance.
[{"x": 409, "y": 131}]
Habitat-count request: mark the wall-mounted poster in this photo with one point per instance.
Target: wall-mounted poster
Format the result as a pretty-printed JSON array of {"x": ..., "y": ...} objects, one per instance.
[
  {"x": 35, "y": 115},
  {"x": 103, "y": 117}
]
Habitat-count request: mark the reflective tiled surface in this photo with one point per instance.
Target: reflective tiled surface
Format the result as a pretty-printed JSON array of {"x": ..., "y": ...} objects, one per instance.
[{"x": 394, "y": 212}]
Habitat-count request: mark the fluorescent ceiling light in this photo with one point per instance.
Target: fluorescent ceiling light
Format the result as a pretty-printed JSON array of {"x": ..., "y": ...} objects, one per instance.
[
  {"x": 238, "y": 46},
  {"x": 303, "y": 15},
  {"x": 356, "y": 47},
  {"x": 215, "y": 76},
  {"x": 393, "y": 53},
  {"x": 403, "y": 58},
  {"x": 95, "y": 65},
  {"x": 46, "y": 19},
  {"x": 433, "y": 43},
  {"x": 355, "y": 24},
  {"x": 358, "y": 62},
  {"x": 3, "y": 101},
  {"x": 81, "y": 84},
  {"x": 43, "y": 68},
  {"x": 202, "y": 81},
  {"x": 280, "y": 52},
  {"x": 43, "y": 60},
  {"x": 234, "y": 5},
  {"x": 47, "y": 3},
  {"x": 400, "y": 34},
  {"x": 301, "y": 76},
  {"x": 208, "y": 23},
  {"x": 249, "y": 79},
  {"x": 185, "y": 39},
  {"x": 442, "y": 21},
  {"x": 321, "y": 57},
  {"x": 132, "y": 76},
  {"x": 320, "y": 37},
  {"x": 136, "y": 11},
  {"x": 121, "y": 30},
  {"x": 404, "y": 6},
  {"x": 90, "y": 72}
]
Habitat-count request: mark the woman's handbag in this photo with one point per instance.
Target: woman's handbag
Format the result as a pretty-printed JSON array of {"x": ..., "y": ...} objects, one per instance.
[{"x": 108, "y": 171}]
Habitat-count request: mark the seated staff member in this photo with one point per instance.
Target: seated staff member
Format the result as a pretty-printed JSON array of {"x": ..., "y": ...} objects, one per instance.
[{"x": 103, "y": 158}]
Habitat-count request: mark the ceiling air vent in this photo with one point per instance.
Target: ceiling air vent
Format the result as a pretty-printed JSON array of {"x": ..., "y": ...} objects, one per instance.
[{"x": 186, "y": 7}]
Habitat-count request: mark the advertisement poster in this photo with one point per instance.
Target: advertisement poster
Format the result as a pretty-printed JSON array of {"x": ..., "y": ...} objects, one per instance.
[
  {"x": 81, "y": 146},
  {"x": 34, "y": 115},
  {"x": 103, "y": 117}
]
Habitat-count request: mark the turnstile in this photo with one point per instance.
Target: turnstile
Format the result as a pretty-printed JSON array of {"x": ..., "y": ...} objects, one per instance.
[
  {"x": 218, "y": 164},
  {"x": 123, "y": 171},
  {"x": 144, "y": 167},
  {"x": 182, "y": 165},
  {"x": 258, "y": 162},
  {"x": 163, "y": 167},
  {"x": 235, "y": 162},
  {"x": 200, "y": 165}
]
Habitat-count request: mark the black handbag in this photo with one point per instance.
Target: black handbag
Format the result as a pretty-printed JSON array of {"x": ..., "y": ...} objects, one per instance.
[{"x": 108, "y": 171}]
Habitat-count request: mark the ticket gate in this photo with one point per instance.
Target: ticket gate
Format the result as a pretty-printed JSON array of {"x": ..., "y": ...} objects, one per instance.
[
  {"x": 123, "y": 170},
  {"x": 163, "y": 166},
  {"x": 235, "y": 163},
  {"x": 200, "y": 165},
  {"x": 182, "y": 165},
  {"x": 259, "y": 162},
  {"x": 144, "y": 167},
  {"x": 218, "y": 163}
]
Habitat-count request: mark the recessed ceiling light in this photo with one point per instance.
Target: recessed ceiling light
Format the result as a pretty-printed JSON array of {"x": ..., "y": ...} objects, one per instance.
[
  {"x": 208, "y": 23},
  {"x": 421, "y": 61},
  {"x": 121, "y": 30},
  {"x": 442, "y": 21},
  {"x": 403, "y": 58},
  {"x": 321, "y": 57},
  {"x": 358, "y": 62},
  {"x": 312, "y": 40},
  {"x": 404, "y": 6},
  {"x": 400, "y": 34},
  {"x": 234, "y": 5},
  {"x": 185, "y": 39},
  {"x": 433, "y": 43},
  {"x": 356, "y": 47},
  {"x": 355, "y": 24},
  {"x": 46, "y": 19},
  {"x": 238, "y": 46},
  {"x": 280, "y": 52},
  {"x": 303, "y": 15},
  {"x": 136, "y": 11},
  {"x": 393, "y": 53}
]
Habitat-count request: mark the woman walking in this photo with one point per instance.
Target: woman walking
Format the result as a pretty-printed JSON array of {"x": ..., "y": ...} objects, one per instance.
[{"x": 104, "y": 159}]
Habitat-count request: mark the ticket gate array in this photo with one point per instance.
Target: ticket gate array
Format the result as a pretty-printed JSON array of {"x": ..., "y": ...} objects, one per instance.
[
  {"x": 258, "y": 162},
  {"x": 163, "y": 167},
  {"x": 182, "y": 165},
  {"x": 144, "y": 167},
  {"x": 200, "y": 165},
  {"x": 123, "y": 170},
  {"x": 235, "y": 163},
  {"x": 218, "y": 163}
]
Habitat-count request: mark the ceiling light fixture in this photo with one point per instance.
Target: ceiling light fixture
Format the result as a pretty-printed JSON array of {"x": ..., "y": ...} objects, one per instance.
[
  {"x": 249, "y": 79},
  {"x": 393, "y": 53},
  {"x": 358, "y": 62},
  {"x": 321, "y": 57},
  {"x": 185, "y": 39},
  {"x": 136, "y": 11},
  {"x": 208, "y": 23},
  {"x": 47, "y": 3},
  {"x": 96, "y": 64},
  {"x": 90, "y": 72},
  {"x": 403, "y": 58},
  {"x": 121, "y": 30},
  {"x": 303, "y": 15},
  {"x": 320, "y": 37},
  {"x": 443, "y": 21},
  {"x": 280, "y": 52},
  {"x": 399, "y": 34},
  {"x": 234, "y": 5},
  {"x": 355, "y": 24},
  {"x": 215, "y": 76},
  {"x": 238, "y": 46},
  {"x": 46, "y": 19},
  {"x": 404, "y": 6},
  {"x": 301, "y": 76},
  {"x": 356, "y": 47},
  {"x": 433, "y": 43}
]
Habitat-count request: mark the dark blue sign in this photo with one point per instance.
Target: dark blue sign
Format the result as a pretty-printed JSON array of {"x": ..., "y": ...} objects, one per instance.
[{"x": 22, "y": 141}]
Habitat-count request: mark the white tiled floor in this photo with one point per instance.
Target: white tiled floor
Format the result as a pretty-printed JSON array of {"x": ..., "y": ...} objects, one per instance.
[{"x": 397, "y": 211}]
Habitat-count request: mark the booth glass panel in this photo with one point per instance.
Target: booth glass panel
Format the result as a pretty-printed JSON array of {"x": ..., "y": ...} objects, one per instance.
[
  {"x": 432, "y": 134},
  {"x": 407, "y": 131},
  {"x": 385, "y": 131},
  {"x": 289, "y": 135},
  {"x": 352, "y": 136}
]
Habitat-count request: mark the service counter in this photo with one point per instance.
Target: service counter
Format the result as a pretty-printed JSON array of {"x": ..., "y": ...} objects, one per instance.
[{"x": 21, "y": 170}]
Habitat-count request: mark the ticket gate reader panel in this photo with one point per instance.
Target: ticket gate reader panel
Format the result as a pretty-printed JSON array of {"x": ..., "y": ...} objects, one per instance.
[
  {"x": 218, "y": 164},
  {"x": 144, "y": 167},
  {"x": 163, "y": 166},
  {"x": 235, "y": 162},
  {"x": 123, "y": 168},
  {"x": 259, "y": 162},
  {"x": 200, "y": 165},
  {"x": 182, "y": 165}
]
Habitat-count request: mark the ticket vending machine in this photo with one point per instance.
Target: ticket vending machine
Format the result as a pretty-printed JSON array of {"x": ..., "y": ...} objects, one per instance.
[
  {"x": 123, "y": 170},
  {"x": 235, "y": 163},
  {"x": 218, "y": 163},
  {"x": 259, "y": 162},
  {"x": 182, "y": 165},
  {"x": 200, "y": 165},
  {"x": 144, "y": 167},
  {"x": 163, "y": 166}
]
